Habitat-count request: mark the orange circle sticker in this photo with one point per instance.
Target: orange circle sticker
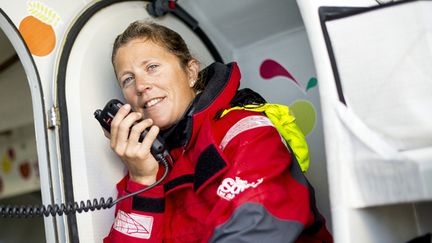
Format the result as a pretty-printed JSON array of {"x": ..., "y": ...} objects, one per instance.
[{"x": 37, "y": 29}]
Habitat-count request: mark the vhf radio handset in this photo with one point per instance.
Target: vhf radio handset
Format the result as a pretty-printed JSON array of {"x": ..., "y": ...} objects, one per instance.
[{"x": 104, "y": 117}]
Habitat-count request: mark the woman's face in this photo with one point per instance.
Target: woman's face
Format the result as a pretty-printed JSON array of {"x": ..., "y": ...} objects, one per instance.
[{"x": 153, "y": 81}]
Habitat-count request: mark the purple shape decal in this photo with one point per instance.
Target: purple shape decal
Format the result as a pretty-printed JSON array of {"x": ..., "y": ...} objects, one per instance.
[{"x": 270, "y": 69}]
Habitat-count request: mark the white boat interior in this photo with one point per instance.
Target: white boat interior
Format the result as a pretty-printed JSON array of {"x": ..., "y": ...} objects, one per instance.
[{"x": 355, "y": 73}]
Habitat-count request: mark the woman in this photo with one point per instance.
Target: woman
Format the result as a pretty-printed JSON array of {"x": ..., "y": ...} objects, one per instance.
[{"x": 232, "y": 179}]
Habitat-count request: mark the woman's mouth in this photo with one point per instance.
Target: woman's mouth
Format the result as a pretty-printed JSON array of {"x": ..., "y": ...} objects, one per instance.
[{"x": 152, "y": 102}]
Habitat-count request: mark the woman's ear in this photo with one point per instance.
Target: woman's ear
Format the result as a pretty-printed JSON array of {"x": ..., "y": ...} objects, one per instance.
[{"x": 193, "y": 70}]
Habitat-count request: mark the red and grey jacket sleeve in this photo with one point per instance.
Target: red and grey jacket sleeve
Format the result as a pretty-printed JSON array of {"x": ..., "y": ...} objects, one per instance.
[
  {"x": 138, "y": 218},
  {"x": 264, "y": 196}
]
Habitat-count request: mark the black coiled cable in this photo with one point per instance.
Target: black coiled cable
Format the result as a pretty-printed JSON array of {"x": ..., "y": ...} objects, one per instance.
[
  {"x": 12, "y": 211},
  {"x": 68, "y": 208}
]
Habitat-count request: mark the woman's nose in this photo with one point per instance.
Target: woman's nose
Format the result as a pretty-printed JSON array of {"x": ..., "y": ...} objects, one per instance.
[{"x": 142, "y": 85}]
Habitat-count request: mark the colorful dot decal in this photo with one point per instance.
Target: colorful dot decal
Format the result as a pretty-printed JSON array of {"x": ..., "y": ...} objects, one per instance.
[
  {"x": 305, "y": 115},
  {"x": 303, "y": 110}
]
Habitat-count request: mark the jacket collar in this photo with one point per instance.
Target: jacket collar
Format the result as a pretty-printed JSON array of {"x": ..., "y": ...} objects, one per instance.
[{"x": 221, "y": 83}]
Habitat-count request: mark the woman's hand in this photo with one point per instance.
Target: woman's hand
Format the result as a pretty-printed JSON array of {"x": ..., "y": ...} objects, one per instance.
[{"x": 125, "y": 133}]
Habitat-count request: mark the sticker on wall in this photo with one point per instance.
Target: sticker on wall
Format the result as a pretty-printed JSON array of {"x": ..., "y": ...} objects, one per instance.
[
  {"x": 18, "y": 171},
  {"x": 25, "y": 169},
  {"x": 37, "y": 28},
  {"x": 302, "y": 109},
  {"x": 305, "y": 114},
  {"x": 7, "y": 160},
  {"x": 270, "y": 69}
]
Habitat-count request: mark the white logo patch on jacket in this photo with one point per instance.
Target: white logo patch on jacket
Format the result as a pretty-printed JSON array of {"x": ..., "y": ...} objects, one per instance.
[
  {"x": 229, "y": 188},
  {"x": 134, "y": 225}
]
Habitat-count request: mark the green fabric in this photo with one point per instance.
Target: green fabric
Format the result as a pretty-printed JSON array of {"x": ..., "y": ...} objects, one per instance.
[{"x": 285, "y": 124}]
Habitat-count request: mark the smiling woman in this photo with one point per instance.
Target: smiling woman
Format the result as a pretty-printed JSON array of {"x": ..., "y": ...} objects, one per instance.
[
  {"x": 154, "y": 81},
  {"x": 211, "y": 194}
]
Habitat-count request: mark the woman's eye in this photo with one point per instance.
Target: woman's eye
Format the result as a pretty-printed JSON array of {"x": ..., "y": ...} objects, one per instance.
[
  {"x": 152, "y": 67},
  {"x": 127, "y": 81}
]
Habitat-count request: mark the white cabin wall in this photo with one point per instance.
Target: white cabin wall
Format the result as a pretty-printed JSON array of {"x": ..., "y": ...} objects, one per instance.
[
  {"x": 234, "y": 24},
  {"x": 223, "y": 46}
]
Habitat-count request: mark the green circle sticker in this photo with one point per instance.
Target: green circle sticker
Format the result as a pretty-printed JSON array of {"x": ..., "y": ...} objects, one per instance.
[{"x": 305, "y": 114}]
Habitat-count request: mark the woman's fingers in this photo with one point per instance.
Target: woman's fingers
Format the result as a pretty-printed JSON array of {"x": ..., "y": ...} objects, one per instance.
[
  {"x": 149, "y": 138},
  {"x": 125, "y": 126},
  {"x": 141, "y": 149},
  {"x": 138, "y": 129},
  {"x": 138, "y": 158},
  {"x": 126, "y": 129},
  {"x": 120, "y": 137},
  {"x": 115, "y": 123}
]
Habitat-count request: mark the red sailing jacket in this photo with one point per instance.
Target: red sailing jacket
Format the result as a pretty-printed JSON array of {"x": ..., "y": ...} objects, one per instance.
[{"x": 233, "y": 180}]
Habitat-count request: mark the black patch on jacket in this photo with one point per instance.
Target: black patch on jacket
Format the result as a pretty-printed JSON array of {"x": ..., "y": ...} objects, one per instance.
[
  {"x": 209, "y": 163},
  {"x": 184, "y": 179},
  {"x": 148, "y": 204}
]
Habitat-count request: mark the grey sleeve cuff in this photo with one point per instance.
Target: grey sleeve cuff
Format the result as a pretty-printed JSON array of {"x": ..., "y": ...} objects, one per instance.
[{"x": 251, "y": 222}]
